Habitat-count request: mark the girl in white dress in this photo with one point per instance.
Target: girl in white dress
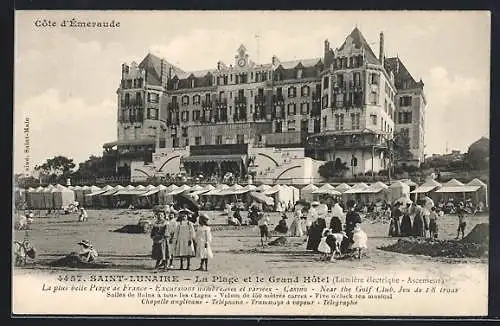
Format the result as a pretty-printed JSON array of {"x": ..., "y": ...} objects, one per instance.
[
  {"x": 360, "y": 240},
  {"x": 204, "y": 242},
  {"x": 323, "y": 247}
]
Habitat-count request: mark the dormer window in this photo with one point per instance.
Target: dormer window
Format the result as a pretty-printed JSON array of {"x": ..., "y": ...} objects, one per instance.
[
  {"x": 299, "y": 73},
  {"x": 192, "y": 83}
]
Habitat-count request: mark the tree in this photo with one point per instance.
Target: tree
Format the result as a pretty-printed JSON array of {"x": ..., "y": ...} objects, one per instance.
[
  {"x": 56, "y": 169},
  {"x": 332, "y": 169},
  {"x": 478, "y": 155},
  {"x": 95, "y": 167},
  {"x": 402, "y": 146}
]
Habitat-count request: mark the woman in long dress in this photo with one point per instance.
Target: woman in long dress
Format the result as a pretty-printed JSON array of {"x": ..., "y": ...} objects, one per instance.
[
  {"x": 183, "y": 239},
  {"x": 406, "y": 227},
  {"x": 419, "y": 225},
  {"x": 394, "y": 228},
  {"x": 296, "y": 227},
  {"x": 159, "y": 235},
  {"x": 315, "y": 233},
  {"x": 204, "y": 241}
]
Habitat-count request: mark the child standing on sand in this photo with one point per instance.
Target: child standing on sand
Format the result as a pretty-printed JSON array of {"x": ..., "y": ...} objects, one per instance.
[
  {"x": 263, "y": 227},
  {"x": 461, "y": 220},
  {"x": 323, "y": 246}
]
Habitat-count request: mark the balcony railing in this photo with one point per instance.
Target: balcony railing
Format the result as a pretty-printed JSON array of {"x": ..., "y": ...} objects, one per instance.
[
  {"x": 346, "y": 141},
  {"x": 259, "y": 116},
  {"x": 278, "y": 99},
  {"x": 259, "y": 100},
  {"x": 240, "y": 100},
  {"x": 173, "y": 106},
  {"x": 206, "y": 104},
  {"x": 221, "y": 103}
]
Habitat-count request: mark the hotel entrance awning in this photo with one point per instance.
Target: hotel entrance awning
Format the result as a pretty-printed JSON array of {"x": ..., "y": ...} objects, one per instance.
[{"x": 213, "y": 158}]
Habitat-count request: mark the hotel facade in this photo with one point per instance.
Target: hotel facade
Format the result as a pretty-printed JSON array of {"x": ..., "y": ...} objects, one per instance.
[{"x": 276, "y": 122}]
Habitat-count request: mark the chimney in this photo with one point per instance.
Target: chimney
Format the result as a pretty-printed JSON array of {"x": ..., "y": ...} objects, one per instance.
[
  {"x": 327, "y": 46},
  {"x": 274, "y": 60},
  {"x": 381, "y": 50},
  {"x": 397, "y": 65},
  {"x": 218, "y": 65}
]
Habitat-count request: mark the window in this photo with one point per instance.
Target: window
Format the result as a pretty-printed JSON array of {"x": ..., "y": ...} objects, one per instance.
[
  {"x": 325, "y": 82},
  {"x": 278, "y": 127},
  {"x": 357, "y": 79},
  {"x": 218, "y": 140},
  {"x": 185, "y": 100},
  {"x": 340, "y": 80},
  {"x": 138, "y": 98},
  {"x": 291, "y": 125},
  {"x": 339, "y": 121},
  {"x": 152, "y": 114},
  {"x": 325, "y": 121},
  {"x": 385, "y": 106},
  {"x": 373, "y": 97},
  {"x": 197, "y": 140},
  {"x": 405, "y": 101},
  {"x": 292, "y": 91},
  {"x": 304, "y": 108},
  {"x": 382, "y": 123},
  {"x": 405, "y": 117},
  {"x": 355, "y": 120},
  {"x": 153, "y": 98},
  {"x": 184, "y": 131},
  {"x": 240, "y": 139},
  {"x": 325, "y": 101},
  {"x": 127, "y": 99},
  {"x": 175, "y": 142},
  {"x": 196, "y": 99},
  {"x": 374, "y": 78},
  {"x": 163, "y": 143},
  {"x": 304, "y": 91},
  {"x": 339, "y": 100},
  {"x": 299, "y": 73},
  {"x": 292, "y": 110},
  {"x": 196, "y": 115},
  {"x": 186, "y": 142}
]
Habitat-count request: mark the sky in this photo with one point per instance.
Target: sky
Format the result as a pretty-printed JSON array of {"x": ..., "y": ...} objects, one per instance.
[{"x": 65, "y": 78}]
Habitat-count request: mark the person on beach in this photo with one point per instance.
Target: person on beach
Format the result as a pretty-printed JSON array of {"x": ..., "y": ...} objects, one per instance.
[
  {"x": 315, "y": 234},
  {"x": 323, "y": 246},
  {"x": 172, "y": 224},
  {"x": 295, "y": 227},
  {"x": 263, "y": 227},
  {"x": 360, "y": 240},
  {"x": 159, "y": 235},
  {"x": 462, "y": 224},
  {"x": 282, "y": 227},
  {"x": 394, "y": 226},
  {"x": 406, "y": 227},
  {"x": 87, "y": 253},
  {"x": 433, "y": 224},
  {"x": 83, "y": 216},
  {"x": 419, "y": 223},
  {"x": 352, "y": 218},
  {"x": 204, "y": 241},
  {"x": 183, "y": 239}
]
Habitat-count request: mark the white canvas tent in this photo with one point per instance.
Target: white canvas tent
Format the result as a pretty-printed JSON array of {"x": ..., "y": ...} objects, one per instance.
[
  {"x": 326, "y": 189},
  {"x": 343, "y": 187},
  {"x": 482, "y": 192},
  {"x": 62, "y": 196},
  {"x": 36, "y": 198},
  {"x": 306, "y": 193},
  {"x": 48, "y": 199},
  {"x": 398, "y": 189},
  {"x": 263, "y": 188},
  {"x": 453, "y": 183},
  {"x": 179, "y": 190},
  {"x": 355, "y": 191},
  {"x": 427, "y": 187},
  {"x": 296, "y": 194}
]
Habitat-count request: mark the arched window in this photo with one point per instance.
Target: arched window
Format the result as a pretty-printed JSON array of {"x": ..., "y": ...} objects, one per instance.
[
  {"x": 185, "y": 100},
  {"x": 292, "y": 91},
  {"x": 354, "y": 161},
  {"x": 196, "y": 99},
  {"x": 305, "y": 91},
  {"x": 338, "y": 162}
]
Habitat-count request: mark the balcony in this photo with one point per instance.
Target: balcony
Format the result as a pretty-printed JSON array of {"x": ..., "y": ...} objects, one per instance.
[
  {"x": 132, "y": 103},
  {"x": 241, "y": 116},
  {"x": 240, "y": 101},
  {"x": 259, "y": 116},
  {"x": 346, "y": 141},
  {"x": 173, "y": 106},
  {"x": 278, "y": 99},
  {"x": 221, "y": 103},
  {"x": 284, "y": 138},
  {"x": 206, "y": 104},
  {"x": 260, "y": 100}
]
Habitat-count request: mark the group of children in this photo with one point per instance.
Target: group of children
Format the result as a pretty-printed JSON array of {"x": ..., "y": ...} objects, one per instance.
[{"x": 178, "y": 237}]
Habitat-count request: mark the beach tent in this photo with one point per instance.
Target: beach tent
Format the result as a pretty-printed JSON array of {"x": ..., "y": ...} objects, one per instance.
[
  {"x": 36, "y": 198},
  {"x": 326, "y": 189},
  {"x": 355, "y": 192},
  {"x": 172, "y": 187},
  {"x": 306, "y": 193},
  {"x": 87, "y": 200},
  {"x": 48, "y": 199},
  {"x": 250, "y": 187},
  {"x": 398, "y": 189},
  {"x": 296, "y": 194},
  {"x": 196, "y": 188},
  {"x": 163, "y": 198},
  {"x": 179, "y": 190},
  {"x": 261, "y": 198},
  {"x": 482, "y": 193},
  {"x": 263, "y": 187},
  {"x": 453, "y": 183},
  {"x": 343, "y": 187},
  {"x": 376, "y": 192},
  {"x": 427, "y": 187},
  {"x": 458, "y": 192},
  {"x": 62, "y": 196},
  {"x": 217, "y": 190},
  {"x": 79, "y": 196}
]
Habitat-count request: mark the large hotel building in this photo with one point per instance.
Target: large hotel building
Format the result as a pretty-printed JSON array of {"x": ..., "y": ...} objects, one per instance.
[{"x": 277, "y": 122}]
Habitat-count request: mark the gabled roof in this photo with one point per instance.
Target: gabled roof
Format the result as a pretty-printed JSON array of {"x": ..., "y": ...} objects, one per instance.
[
  {"x": 303, "y": 62},
  {"x": 196, "y": 74},
  {"x": 152, "y": 64},
  {"x": 360, "y": 42},
  {"x": 401, "y": 74}
]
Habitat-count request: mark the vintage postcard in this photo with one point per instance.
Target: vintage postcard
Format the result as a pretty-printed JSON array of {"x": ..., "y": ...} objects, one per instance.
[{"x": 273, "y": 163}]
